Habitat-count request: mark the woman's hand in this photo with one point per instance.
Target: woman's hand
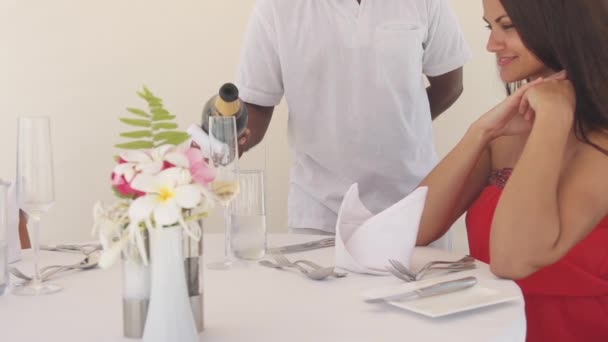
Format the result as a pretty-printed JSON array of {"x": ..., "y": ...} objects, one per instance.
[
  {"x": 505, "y": 118},
  {"x": 554, "y": 99}
]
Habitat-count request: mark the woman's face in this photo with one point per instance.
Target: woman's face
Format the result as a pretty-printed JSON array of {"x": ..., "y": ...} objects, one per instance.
[{"x": 514, "y": 60}]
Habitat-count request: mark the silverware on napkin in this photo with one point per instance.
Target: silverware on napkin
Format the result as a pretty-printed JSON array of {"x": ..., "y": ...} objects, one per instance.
[
  {"x": 428, "y": 291},
  {"x": 327, "y": 242}
]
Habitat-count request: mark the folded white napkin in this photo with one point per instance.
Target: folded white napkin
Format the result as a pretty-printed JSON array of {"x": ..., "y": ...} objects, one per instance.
[{"x": 365, "y": 242}]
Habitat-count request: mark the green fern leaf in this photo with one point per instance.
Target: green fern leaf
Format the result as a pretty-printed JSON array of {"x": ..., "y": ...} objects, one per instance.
[
  {"x": 161, "y": 114},
  {"x": 136, "y": 145},
  {"x": 137, "y": 134},
  {"x": 163, "y": 118},
  {"x": 150, "y": 98},
  {"x": 177, "y": 140},
  {"x": 164, "y": 125},
  {"x": 172, "y": 141},
  {"x": 162, "y": 128},
  {"x": 136, "y": 122},
  {"x": 154, "y": 102},
  {"x": 139, "y": 112},
  {"x": 171, "y": 135}
]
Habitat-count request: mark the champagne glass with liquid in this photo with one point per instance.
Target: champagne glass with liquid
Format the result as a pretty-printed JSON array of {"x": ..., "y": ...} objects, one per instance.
[
  {"x": 224, "y": 157},
  {"x": 35, "y": 188}
]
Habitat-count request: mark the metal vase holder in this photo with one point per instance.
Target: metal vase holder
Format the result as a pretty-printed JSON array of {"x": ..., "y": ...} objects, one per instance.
[
  {"x": 193, "y": 255},
  {"x": 136, "y": 290},
  {"x": 135, "y": 310}
]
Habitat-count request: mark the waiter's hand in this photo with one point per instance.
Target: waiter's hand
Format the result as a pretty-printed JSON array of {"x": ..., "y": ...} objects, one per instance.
[{"x": 243, "y": 140}]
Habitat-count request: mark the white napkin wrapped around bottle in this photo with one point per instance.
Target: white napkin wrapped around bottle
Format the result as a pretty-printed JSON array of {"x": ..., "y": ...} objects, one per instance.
[
  {"x": 203, "y": 140},
  {"x": 365, "y": 242}
]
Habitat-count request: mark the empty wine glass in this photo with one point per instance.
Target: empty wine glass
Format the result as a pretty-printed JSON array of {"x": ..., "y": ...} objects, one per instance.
[
  {"x": 35, "y": 188},
  {"x": 224, "y": 157}
]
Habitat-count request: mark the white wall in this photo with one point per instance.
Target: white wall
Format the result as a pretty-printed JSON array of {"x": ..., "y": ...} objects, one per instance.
[{"x": 82, "y": 61}]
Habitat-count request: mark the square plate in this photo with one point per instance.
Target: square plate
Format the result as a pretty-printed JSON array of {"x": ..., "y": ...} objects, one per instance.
[{"x": 437, "y": 306}]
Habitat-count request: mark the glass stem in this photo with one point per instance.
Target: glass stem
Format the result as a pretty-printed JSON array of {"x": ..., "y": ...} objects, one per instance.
[
  {"x": 227, "y": 243},
  {"x": 33, "y": 223}
]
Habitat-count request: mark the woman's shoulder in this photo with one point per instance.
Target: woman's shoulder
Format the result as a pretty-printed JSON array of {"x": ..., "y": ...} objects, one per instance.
[
  {"x": 594, "y": 152},
  {"x": 588, "y": 167}
]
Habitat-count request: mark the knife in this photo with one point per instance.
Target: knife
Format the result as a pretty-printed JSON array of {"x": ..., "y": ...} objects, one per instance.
[
  {"x": 428, "y": 291},
  {"x": 327, "y": 242}
]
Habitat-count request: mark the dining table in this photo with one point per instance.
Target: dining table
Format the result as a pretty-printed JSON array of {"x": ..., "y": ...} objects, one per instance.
[{"x": 253, "y": 303}]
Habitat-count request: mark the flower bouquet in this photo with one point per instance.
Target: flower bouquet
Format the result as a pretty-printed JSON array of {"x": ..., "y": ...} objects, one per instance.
[{"x": 161, "y": 184}]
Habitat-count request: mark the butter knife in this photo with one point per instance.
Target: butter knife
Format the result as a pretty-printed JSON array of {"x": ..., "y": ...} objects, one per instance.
[
  {"x": 327, "y": 242},
  {"x": 428, "y": 291}
]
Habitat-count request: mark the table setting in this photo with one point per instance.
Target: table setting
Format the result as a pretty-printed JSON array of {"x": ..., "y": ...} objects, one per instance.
[
  {"x": 252, "y": 302},
  {"x": 152, "y": 273}
]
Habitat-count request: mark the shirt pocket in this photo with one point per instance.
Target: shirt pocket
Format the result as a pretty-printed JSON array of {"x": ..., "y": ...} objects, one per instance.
[{"x": 398, "y": 54}]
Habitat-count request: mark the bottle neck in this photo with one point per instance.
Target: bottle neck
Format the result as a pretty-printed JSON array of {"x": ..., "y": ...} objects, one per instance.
[{"x": 227, "y": 108}]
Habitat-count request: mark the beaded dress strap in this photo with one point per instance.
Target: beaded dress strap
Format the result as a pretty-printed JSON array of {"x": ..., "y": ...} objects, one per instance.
[{"x": 500, "y": 177}]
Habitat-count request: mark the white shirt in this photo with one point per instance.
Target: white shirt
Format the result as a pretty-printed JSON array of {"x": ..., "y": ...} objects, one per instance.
[{"x": 352, "y": 76}]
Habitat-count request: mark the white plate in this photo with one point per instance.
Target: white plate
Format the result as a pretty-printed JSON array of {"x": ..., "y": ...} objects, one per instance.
[{"x": 447, "y": 304}]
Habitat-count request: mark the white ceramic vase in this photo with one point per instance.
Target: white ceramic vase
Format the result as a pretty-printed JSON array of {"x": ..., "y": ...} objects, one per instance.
[
  {"x": 135, "y": 290},
  {"x": 170, "y": 316}
]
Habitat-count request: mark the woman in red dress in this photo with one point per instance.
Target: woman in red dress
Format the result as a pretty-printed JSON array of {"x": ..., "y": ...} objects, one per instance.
[{"x": 533, "y": 171}]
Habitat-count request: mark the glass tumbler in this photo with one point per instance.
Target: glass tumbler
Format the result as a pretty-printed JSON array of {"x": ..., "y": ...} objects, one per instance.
[{"x": 248, "y": 222}]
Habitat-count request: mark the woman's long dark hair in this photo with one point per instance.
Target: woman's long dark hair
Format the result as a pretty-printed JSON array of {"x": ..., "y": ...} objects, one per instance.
[{"x": 570, "y": 35}]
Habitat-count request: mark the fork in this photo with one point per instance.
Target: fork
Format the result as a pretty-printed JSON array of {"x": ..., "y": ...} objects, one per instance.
[
  {"x": 402, "y": 269},
  {"x": 450, "y": 267},
  {"x": 417, "y": 275},
  {"x": 85, "y": 249},
  {"x": 467, "y": 259},
  {"x": 284, "y": 262},
  {"x": 399, "y": 275},
  {"x": 317, "y": 266},
  {"x": 327, "y": 242},
  {"x": 316, "y": 274},
  {"x": 89, "y": 262}
]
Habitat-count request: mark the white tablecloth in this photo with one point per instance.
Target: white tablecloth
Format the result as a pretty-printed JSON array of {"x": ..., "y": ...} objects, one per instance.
[{"x": 253, "y": 303}]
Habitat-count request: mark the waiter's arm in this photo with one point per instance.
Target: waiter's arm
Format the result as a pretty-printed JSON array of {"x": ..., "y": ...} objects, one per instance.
[
  {"x": 257, "y": 125},
  {"x": 444, "y": 90}
]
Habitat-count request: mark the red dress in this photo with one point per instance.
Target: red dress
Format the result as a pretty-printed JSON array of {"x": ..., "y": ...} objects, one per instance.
[{"x": 566, "y": 301}]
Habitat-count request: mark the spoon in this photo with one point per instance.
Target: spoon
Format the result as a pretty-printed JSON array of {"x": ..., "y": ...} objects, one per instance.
[
  {"x": 315, "y": 274},
  {"x": 89, "y": 262}
]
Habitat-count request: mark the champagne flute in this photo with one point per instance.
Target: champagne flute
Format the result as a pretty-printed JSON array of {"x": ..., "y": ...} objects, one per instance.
[
  {"x": 35, "y": 188},
  {"x": 224, "y": 157}
]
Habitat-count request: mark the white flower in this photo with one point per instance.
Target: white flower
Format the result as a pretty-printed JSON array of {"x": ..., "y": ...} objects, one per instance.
[
  {"x": 150, "y": 161},
  {"x": 167, "y": 193},
  {"x": 171, "y": 197},
  {"x": 108, "y": 222}
]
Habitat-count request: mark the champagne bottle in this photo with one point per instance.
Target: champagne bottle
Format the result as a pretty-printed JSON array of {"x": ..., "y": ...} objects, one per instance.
[{"x": 227, "y": 103}]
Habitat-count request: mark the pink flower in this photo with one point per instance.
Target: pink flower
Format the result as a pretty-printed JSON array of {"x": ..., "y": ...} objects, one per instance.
[
  {"x": 201, "y": 171},
  {"x": 122, "y": 186}
]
